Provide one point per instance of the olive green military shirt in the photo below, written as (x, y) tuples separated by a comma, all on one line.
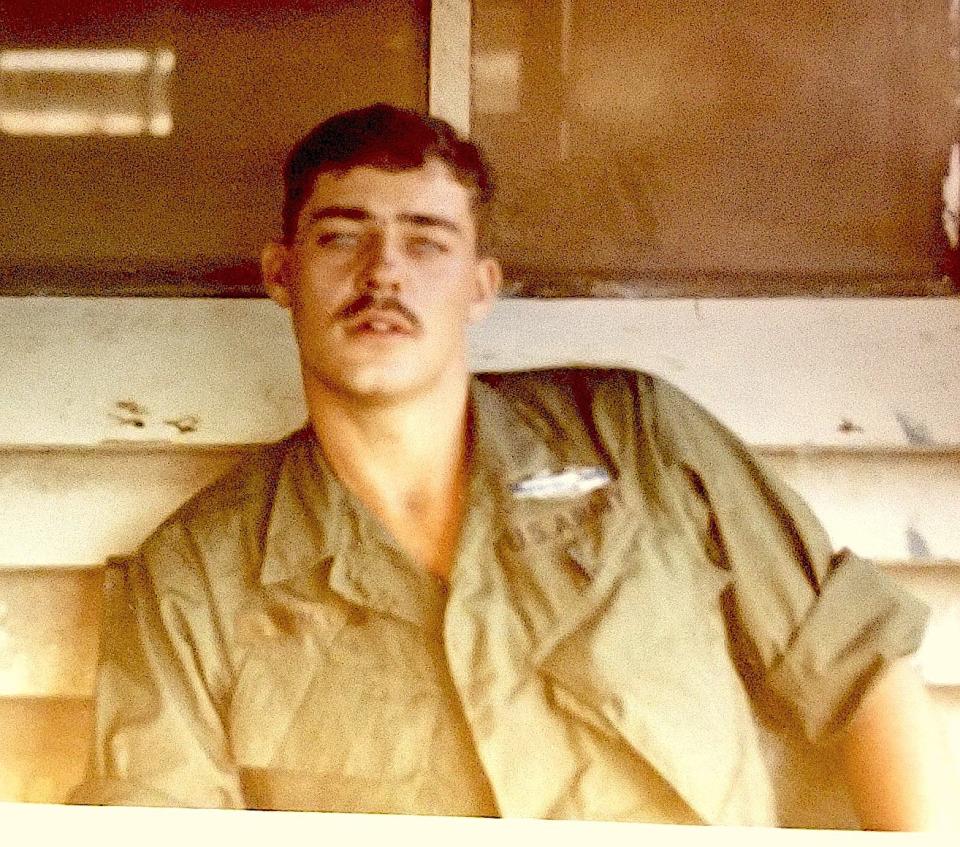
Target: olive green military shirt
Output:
[(596, 654)]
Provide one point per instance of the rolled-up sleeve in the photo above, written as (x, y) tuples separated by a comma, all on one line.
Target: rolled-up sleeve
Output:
[(159, 737), (819, 626)]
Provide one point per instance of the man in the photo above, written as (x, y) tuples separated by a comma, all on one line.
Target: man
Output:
[(556, 594)]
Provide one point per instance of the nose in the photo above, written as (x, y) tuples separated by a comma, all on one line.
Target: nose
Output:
[(382, 268)]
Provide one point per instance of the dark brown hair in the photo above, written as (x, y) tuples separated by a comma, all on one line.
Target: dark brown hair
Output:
[(379, 136)]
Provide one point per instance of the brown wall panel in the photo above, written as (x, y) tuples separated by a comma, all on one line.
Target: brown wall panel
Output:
[(250, 78), (779, 148)]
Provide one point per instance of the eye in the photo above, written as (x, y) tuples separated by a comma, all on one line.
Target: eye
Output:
[(338, 240), (424, 245)]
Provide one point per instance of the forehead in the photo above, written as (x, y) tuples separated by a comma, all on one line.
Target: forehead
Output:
[(429, 190)]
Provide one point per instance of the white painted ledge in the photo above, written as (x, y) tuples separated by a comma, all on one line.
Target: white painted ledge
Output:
[(162, 827), (78, 506), (875, 374)]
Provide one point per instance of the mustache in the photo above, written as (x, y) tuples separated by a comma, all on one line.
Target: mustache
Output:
[(383, 304)]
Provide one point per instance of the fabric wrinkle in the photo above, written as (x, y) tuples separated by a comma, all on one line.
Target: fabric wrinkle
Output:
[(585, 659)]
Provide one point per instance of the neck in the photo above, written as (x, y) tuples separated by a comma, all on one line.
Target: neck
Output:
[(405, 460)]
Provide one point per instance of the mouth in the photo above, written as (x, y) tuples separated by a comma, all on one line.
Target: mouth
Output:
[(379, 322)]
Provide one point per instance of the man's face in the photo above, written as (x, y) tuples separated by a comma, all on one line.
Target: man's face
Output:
[(382, 279)]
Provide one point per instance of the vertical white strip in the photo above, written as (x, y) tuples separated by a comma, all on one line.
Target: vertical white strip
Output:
[(159, 117), (449, 82), (951, 197)]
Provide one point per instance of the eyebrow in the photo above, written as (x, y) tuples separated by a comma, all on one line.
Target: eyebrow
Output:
[(355, 213)]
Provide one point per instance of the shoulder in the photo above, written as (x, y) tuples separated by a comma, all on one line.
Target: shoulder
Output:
[(559, 386), (555, 392), (246, 486), (222, 525), (658, 441), (619, 403)]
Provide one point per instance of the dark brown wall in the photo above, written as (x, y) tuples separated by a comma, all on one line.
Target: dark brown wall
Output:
[(250, 78), (741, 136)]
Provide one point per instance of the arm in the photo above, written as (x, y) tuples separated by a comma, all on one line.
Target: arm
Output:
[(158, 738), (895, 759), (821, 633)]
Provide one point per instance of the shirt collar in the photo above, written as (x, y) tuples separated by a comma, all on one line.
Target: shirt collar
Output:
[(319, 535), (302, 531), (314, 519)]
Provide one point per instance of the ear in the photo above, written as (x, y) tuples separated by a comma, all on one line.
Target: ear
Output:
[(489, 278), (274, 266)]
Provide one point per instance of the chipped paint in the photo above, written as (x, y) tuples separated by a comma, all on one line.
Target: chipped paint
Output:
[(779, 372), (917, 433), (847, 427), (917, 545), (185, 424), (129, 413)]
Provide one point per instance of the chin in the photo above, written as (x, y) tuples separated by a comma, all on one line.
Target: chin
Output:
[(376, 386), (401, 375)]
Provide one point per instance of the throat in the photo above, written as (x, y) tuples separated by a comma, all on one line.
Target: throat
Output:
[(408, 464), (427, 534)]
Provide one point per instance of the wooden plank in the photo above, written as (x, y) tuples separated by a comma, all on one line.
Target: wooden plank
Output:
[(78, 506), (859, 374), (889, 506), (790, 373), (44, 743), (51, 622), (939, 656), (49, 631), (95, 371), (946, 702)]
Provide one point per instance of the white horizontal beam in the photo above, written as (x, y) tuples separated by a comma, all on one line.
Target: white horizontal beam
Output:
[(871, 374), (160, 827), (76, 507)]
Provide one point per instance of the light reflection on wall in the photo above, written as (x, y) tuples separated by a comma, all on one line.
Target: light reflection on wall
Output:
[(496, 82), (70, 92)]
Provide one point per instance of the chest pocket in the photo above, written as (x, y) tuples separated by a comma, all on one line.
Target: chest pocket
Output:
[(645, 656), (334, 714)]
